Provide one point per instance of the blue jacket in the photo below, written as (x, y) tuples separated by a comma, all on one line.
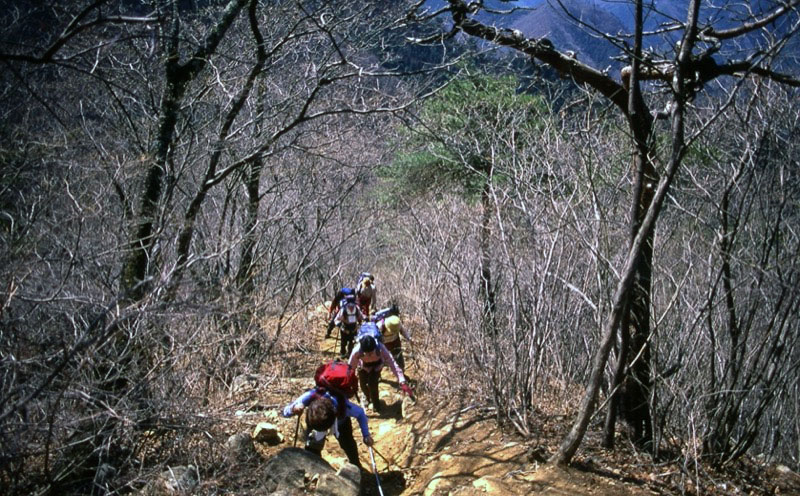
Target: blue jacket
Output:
[(350, 410)]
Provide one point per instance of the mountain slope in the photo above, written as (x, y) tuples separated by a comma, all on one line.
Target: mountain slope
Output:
[(586, 27)]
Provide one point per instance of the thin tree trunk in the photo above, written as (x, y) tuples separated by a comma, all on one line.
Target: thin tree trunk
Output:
[(619, 375), (245, 272), (572, 440), (487, 290), (137, 263)]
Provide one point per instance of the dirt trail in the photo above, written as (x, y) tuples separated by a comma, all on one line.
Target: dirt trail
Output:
[(438, 446), (450, 444)]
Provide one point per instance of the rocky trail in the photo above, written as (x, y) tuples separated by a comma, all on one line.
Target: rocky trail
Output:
[(440, 444), (431, 446)]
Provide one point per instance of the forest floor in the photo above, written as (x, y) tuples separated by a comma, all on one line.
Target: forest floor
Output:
[(444, 446)]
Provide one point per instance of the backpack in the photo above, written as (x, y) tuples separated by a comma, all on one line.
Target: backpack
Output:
[(362, 276), (343, 293), (337, 378), (386, 312), (350, 310), (369, 329)]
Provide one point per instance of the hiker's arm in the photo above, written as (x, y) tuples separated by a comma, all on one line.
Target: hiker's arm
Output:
[(294, 408), (405, 333), (355, 411), (388, 358), (355, 356), (297, 406), (339, 316)]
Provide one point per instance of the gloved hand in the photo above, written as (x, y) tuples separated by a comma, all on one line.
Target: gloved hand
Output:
[(368, 441), (407, 389)]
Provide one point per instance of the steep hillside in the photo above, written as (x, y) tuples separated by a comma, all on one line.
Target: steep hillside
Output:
[(448, 441)]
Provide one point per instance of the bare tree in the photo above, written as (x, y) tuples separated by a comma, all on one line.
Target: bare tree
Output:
[(690, 66), (154, 153)]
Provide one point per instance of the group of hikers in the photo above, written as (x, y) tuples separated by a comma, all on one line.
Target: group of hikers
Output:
[(370, 340)]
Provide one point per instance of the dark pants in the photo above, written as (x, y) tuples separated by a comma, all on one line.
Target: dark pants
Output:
[(369, 384), (396, 349), (348, 337), (346, 441), (364, 306), (331, 325)]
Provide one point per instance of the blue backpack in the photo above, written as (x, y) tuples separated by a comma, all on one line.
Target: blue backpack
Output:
[(385, 312), (369, 329), (342, 295)]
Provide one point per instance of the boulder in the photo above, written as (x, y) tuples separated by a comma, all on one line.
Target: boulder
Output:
[(266, 432), (492, 485), (173, 481), (239, 447), (245, 383), (295, 470), (406, 407), (182, 478)]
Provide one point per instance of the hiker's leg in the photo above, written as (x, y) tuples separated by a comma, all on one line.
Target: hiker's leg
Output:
[(351, 336), (347, 339), (347, 442), (396, 350), (331, 325), (315, 441), (372, 379), (398, 357), (364, 306), (364, 384)]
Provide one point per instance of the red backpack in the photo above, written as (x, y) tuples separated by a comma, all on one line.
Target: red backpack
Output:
[(337, 377)]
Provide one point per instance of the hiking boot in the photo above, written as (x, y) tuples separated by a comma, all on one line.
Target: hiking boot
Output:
[(314, 447)]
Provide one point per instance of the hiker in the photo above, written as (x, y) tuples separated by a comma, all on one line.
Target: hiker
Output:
[(368, 357), (348, 320), (391, 328), (385, 312), (365, 292), (336, 304), (325, 409)]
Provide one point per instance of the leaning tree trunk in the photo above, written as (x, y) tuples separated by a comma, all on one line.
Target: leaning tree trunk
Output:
[(609, 427), (631, 386)]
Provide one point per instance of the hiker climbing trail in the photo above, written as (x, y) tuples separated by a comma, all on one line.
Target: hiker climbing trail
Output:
[(378, 443), (445, 442)]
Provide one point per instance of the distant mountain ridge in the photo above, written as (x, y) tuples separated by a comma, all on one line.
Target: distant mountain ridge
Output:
[(581, 29)]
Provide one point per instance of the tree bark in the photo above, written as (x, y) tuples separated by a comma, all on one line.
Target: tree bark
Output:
[(137, 264), (487, 289), (245, 271)]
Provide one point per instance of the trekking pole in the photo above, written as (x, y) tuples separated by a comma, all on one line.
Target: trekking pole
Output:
[(388, 462), (336, 341), (375, 471), (296, 428)]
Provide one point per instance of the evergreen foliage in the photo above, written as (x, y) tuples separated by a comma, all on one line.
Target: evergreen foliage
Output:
[(463, 136)]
